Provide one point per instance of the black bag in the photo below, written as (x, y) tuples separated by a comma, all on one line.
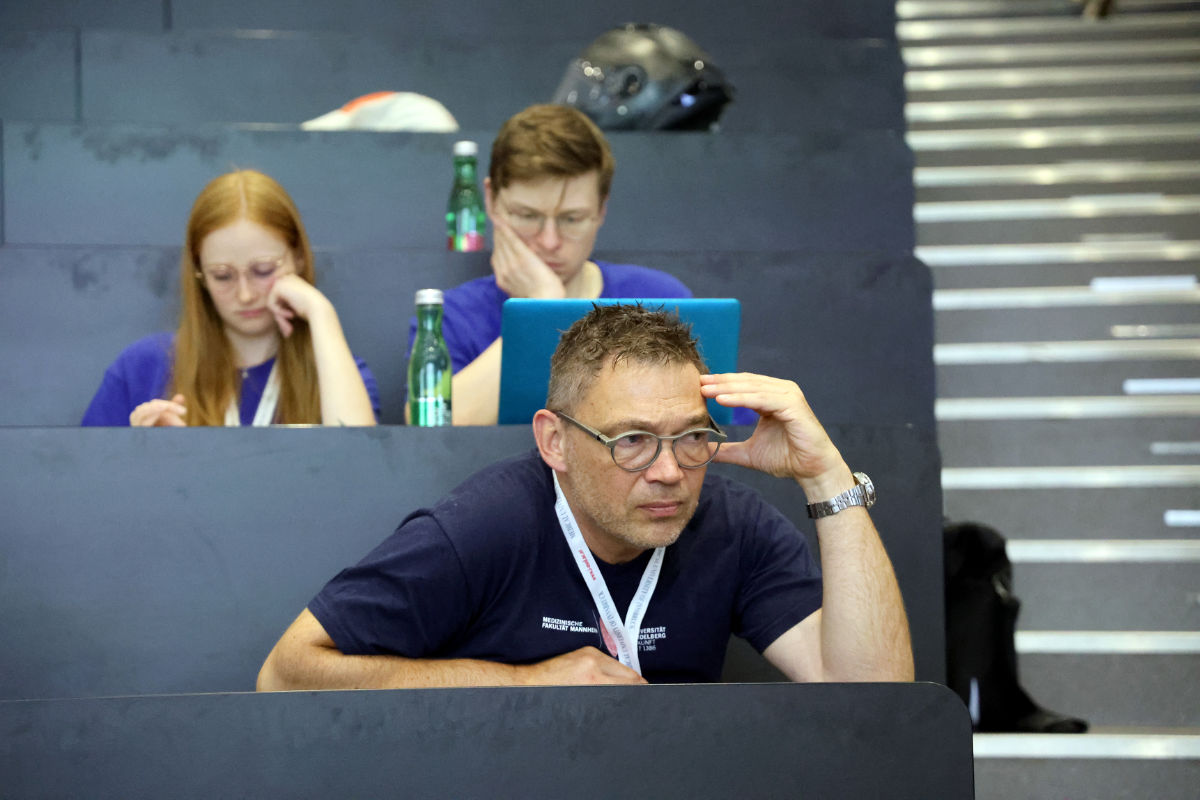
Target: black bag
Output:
[(981, 621)]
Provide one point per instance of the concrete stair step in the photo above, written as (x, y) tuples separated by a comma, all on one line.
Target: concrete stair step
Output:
[(1112, 511), (1064, 442), (1083, 178), (1053, 380), (981, 266), (1155, 594), (1008, 146), (1061, 323), (1114, 688), (1028, 231), (1106, 763)]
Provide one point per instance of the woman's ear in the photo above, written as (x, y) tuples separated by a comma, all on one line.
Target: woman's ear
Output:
[(548, 433)]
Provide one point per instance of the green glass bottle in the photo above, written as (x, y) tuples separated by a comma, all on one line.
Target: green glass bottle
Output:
[(466, 220), (429, 370)]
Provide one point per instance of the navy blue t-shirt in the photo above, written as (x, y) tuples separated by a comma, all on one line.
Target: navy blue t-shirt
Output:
[(487, 574)]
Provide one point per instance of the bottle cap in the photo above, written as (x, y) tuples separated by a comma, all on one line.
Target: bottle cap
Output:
[(465, 148), (429, 297)]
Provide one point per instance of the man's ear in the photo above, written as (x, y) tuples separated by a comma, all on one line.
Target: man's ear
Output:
[(548, 433), (603, 212), (487, 196)]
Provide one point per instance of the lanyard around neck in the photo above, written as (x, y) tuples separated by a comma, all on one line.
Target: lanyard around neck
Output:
[(623, 633), (264, 415)]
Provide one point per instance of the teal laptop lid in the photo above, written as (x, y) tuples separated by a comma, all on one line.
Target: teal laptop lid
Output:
[(531, 329)]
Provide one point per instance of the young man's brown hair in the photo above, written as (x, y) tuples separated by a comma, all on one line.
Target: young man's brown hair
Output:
[(550, 141)]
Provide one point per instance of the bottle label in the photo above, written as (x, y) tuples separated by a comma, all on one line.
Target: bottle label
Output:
[(430, 411), (466, 242)]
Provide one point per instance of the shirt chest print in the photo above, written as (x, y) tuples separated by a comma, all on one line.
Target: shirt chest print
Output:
[(648, 638)]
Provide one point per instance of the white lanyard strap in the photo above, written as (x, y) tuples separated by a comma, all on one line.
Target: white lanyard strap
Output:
[(624, 634), (264, 415)]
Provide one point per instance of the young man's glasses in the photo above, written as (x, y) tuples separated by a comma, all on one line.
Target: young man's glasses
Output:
[(572, 225), (634, 451)]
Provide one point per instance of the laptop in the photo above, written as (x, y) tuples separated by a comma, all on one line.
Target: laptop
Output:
[(531, 329)]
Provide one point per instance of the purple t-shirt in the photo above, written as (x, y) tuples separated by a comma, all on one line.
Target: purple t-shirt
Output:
[(143, 369), (487, 574), (472, 311)]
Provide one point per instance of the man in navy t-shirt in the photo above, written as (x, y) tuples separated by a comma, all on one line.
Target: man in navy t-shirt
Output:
[(609, 555)]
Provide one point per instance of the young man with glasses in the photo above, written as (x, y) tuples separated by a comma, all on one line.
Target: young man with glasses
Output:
[(546, 194), (609, 555)]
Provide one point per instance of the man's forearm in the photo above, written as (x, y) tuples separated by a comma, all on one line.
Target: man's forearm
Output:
[(318, 667), (864, 631)]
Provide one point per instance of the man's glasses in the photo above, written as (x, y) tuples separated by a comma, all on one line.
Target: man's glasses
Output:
[(572, 225), (634, 451), (224, 279)]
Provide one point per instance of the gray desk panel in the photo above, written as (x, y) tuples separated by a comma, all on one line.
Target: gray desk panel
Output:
[(133, 15), (37, 75), (706, 21), (813, 741), (142, 561), (855, 330), (133, 185)]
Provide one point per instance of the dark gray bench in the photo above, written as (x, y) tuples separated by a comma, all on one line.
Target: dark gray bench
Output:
[(134, 184), (142, 561), (196, 77), (757, 22), (900, 741), (855, 330)]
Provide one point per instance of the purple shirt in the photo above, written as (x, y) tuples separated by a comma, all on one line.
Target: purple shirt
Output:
[(143, 369), (472, 311)]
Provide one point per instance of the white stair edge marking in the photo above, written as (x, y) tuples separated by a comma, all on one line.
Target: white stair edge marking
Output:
[(1181, 518), (1062, 352), (1143, 386), (986, 255), (938, 80), (1127, 205), (1158, 283), (931, 30), (1060, 297), (1109, 642), (955, 409), (1102, 551), (1116, 477), (1087, 745), (1094, 171)]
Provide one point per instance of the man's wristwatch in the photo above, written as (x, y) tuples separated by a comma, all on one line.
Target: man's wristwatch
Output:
[(861, 495)]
